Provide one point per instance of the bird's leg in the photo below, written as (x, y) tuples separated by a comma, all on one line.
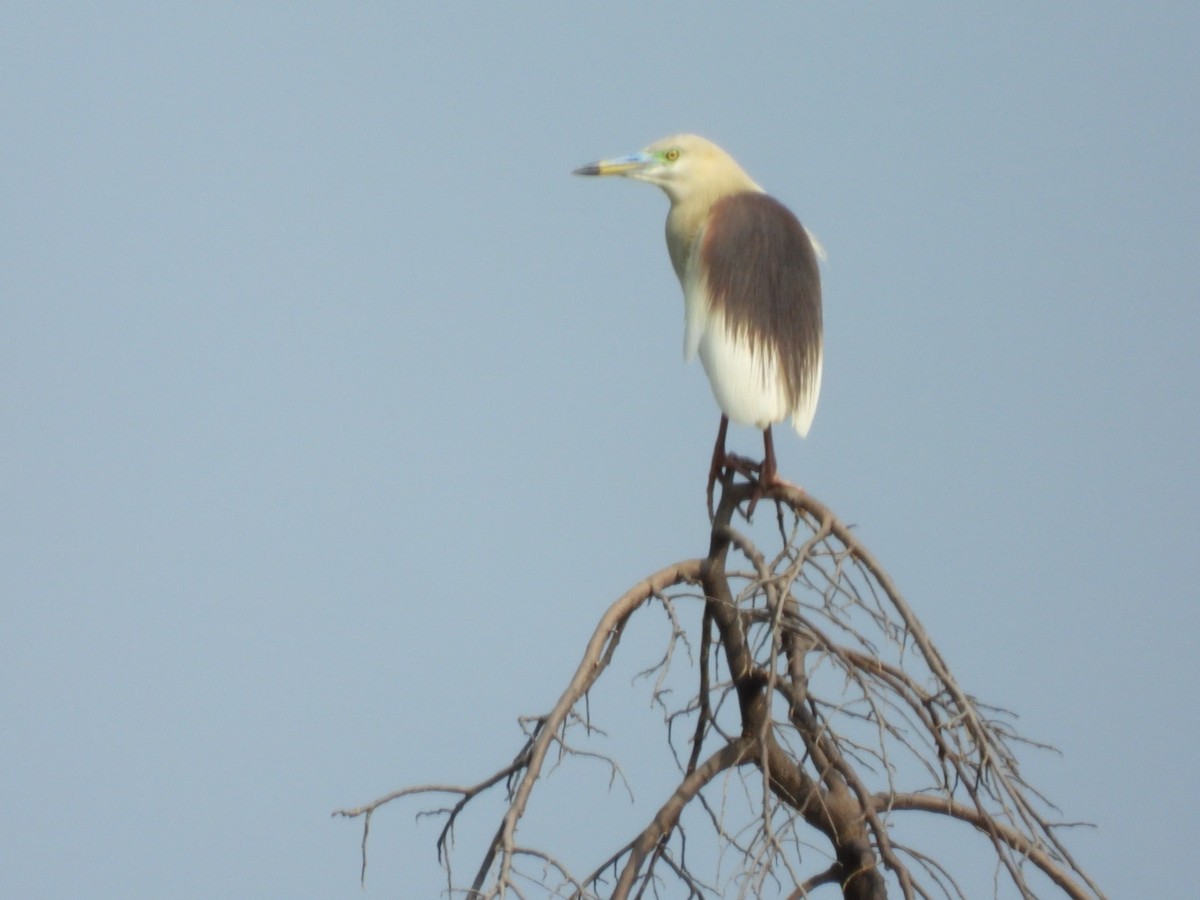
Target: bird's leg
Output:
[(723, 461), (768, 475)]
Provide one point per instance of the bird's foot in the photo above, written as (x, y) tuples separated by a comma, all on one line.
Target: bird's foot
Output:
[(714, 473), (743, 465), (720, 469), (749, 469), (760, 491), (763, 486)]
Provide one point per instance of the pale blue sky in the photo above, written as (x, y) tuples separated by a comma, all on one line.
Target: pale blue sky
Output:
[(335, 411)]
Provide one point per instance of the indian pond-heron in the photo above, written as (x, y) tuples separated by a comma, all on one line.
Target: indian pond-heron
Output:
[(751, 289)]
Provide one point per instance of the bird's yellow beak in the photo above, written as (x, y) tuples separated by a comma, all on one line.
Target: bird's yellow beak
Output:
[(622, 165)]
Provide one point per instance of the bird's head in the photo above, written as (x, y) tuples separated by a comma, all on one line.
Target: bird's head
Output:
[(683, 166)]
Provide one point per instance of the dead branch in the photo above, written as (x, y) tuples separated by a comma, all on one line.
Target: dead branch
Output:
[(813, 676)]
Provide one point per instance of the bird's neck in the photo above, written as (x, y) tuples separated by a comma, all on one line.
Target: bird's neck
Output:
[(688, 215), (684, 222)]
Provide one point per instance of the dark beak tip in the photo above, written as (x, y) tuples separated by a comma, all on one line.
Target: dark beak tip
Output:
[(586, 170)]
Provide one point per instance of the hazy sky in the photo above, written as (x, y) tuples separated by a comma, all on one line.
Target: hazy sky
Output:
[(335, 411)]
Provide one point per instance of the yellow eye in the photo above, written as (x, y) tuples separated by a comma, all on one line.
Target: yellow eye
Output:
[(671, 155)]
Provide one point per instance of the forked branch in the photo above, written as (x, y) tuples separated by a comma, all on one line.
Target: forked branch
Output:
[(815, 681)]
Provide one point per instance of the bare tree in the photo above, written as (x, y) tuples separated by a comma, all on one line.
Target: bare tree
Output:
[(820, 694)]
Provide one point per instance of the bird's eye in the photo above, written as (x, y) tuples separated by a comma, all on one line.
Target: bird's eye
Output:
[(672, 154)]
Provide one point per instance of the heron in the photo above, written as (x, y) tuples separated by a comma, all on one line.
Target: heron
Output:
[(751, 291)]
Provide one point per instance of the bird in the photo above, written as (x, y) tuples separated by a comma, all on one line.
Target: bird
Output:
[(751, 291)]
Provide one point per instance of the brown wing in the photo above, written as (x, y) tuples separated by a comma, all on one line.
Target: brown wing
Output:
[(760, 270)]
